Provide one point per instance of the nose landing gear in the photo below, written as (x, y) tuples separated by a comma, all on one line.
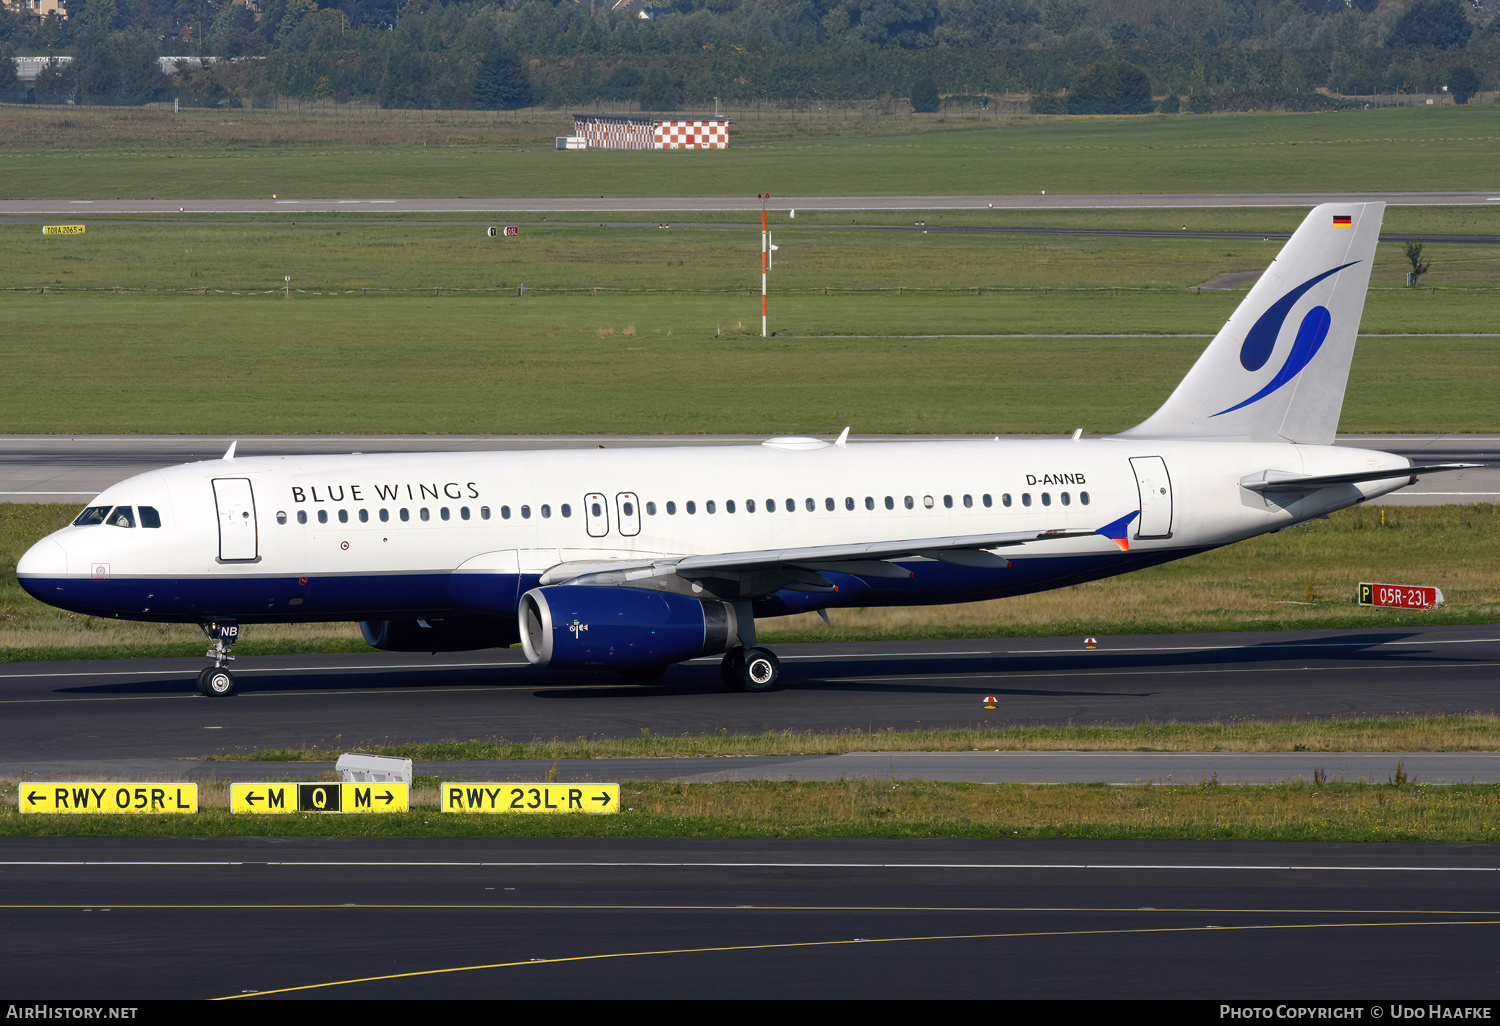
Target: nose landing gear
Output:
[(217, 681)]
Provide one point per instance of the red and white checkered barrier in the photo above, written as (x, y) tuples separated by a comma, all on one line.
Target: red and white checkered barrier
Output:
[(692, 135)]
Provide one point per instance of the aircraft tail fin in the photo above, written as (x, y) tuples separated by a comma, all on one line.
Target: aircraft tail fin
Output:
[(1277, 370)]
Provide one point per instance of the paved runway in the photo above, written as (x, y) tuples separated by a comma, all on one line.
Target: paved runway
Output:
[(607, 203), (145, 716), (127, 919), (60, 468)]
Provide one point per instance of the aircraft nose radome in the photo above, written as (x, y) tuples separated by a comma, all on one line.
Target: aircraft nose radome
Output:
[(44, 559)]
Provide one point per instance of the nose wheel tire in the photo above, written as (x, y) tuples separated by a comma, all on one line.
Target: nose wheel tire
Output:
[(216, 682)]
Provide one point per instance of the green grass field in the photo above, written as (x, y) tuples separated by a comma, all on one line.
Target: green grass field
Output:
[(1301, 811), (99, 153), (643, 330), (673, 364)]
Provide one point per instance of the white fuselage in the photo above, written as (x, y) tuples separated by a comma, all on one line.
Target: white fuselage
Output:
[(359, 536)]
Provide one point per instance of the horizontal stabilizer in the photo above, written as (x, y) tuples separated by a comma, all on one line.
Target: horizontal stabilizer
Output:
[(1283, 481)]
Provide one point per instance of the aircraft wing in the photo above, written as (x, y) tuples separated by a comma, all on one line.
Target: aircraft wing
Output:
[(1285, 481), (765, 571)]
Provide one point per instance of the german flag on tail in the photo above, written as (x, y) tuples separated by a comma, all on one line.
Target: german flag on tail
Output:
[(1343, 221)]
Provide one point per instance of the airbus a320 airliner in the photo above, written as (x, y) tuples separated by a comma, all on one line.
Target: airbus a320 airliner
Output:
[(635, 559)]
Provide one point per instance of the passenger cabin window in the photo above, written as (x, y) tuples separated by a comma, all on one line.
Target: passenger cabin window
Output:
[(1083, 497), (92, 516), (322, 516), (281, 517), (302, 516)]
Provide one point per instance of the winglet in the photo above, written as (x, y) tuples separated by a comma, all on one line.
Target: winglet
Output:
[(228, 456), (843, 438), (1119, 531)]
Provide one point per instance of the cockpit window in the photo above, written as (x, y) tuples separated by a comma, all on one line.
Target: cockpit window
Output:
[(121, 516), (91, 516), (149, 517)]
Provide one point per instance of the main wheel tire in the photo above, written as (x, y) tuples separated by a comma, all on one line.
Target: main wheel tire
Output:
[(762, 670), (216, 682), (732, 669)]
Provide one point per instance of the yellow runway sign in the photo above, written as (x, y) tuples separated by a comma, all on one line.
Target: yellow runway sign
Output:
[(275, 799), (62, 229), (533, 798), (107, 797)]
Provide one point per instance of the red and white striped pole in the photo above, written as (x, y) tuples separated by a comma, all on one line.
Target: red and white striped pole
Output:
[(765, 236)]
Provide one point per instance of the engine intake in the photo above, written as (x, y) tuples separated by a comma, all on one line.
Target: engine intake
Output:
[(578, 625)]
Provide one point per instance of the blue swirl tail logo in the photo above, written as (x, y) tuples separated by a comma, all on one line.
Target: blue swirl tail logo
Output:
[(1260, 340)]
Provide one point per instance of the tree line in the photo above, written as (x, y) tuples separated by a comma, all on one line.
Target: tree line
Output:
[(1106, 55)]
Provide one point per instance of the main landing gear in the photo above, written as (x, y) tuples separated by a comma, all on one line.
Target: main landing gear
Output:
[(746, 667), (217, 681), (750, 669)]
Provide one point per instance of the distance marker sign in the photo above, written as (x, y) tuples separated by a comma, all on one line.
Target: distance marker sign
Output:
[(112, 797), (531, 798), (62, 229), (276, 799)]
